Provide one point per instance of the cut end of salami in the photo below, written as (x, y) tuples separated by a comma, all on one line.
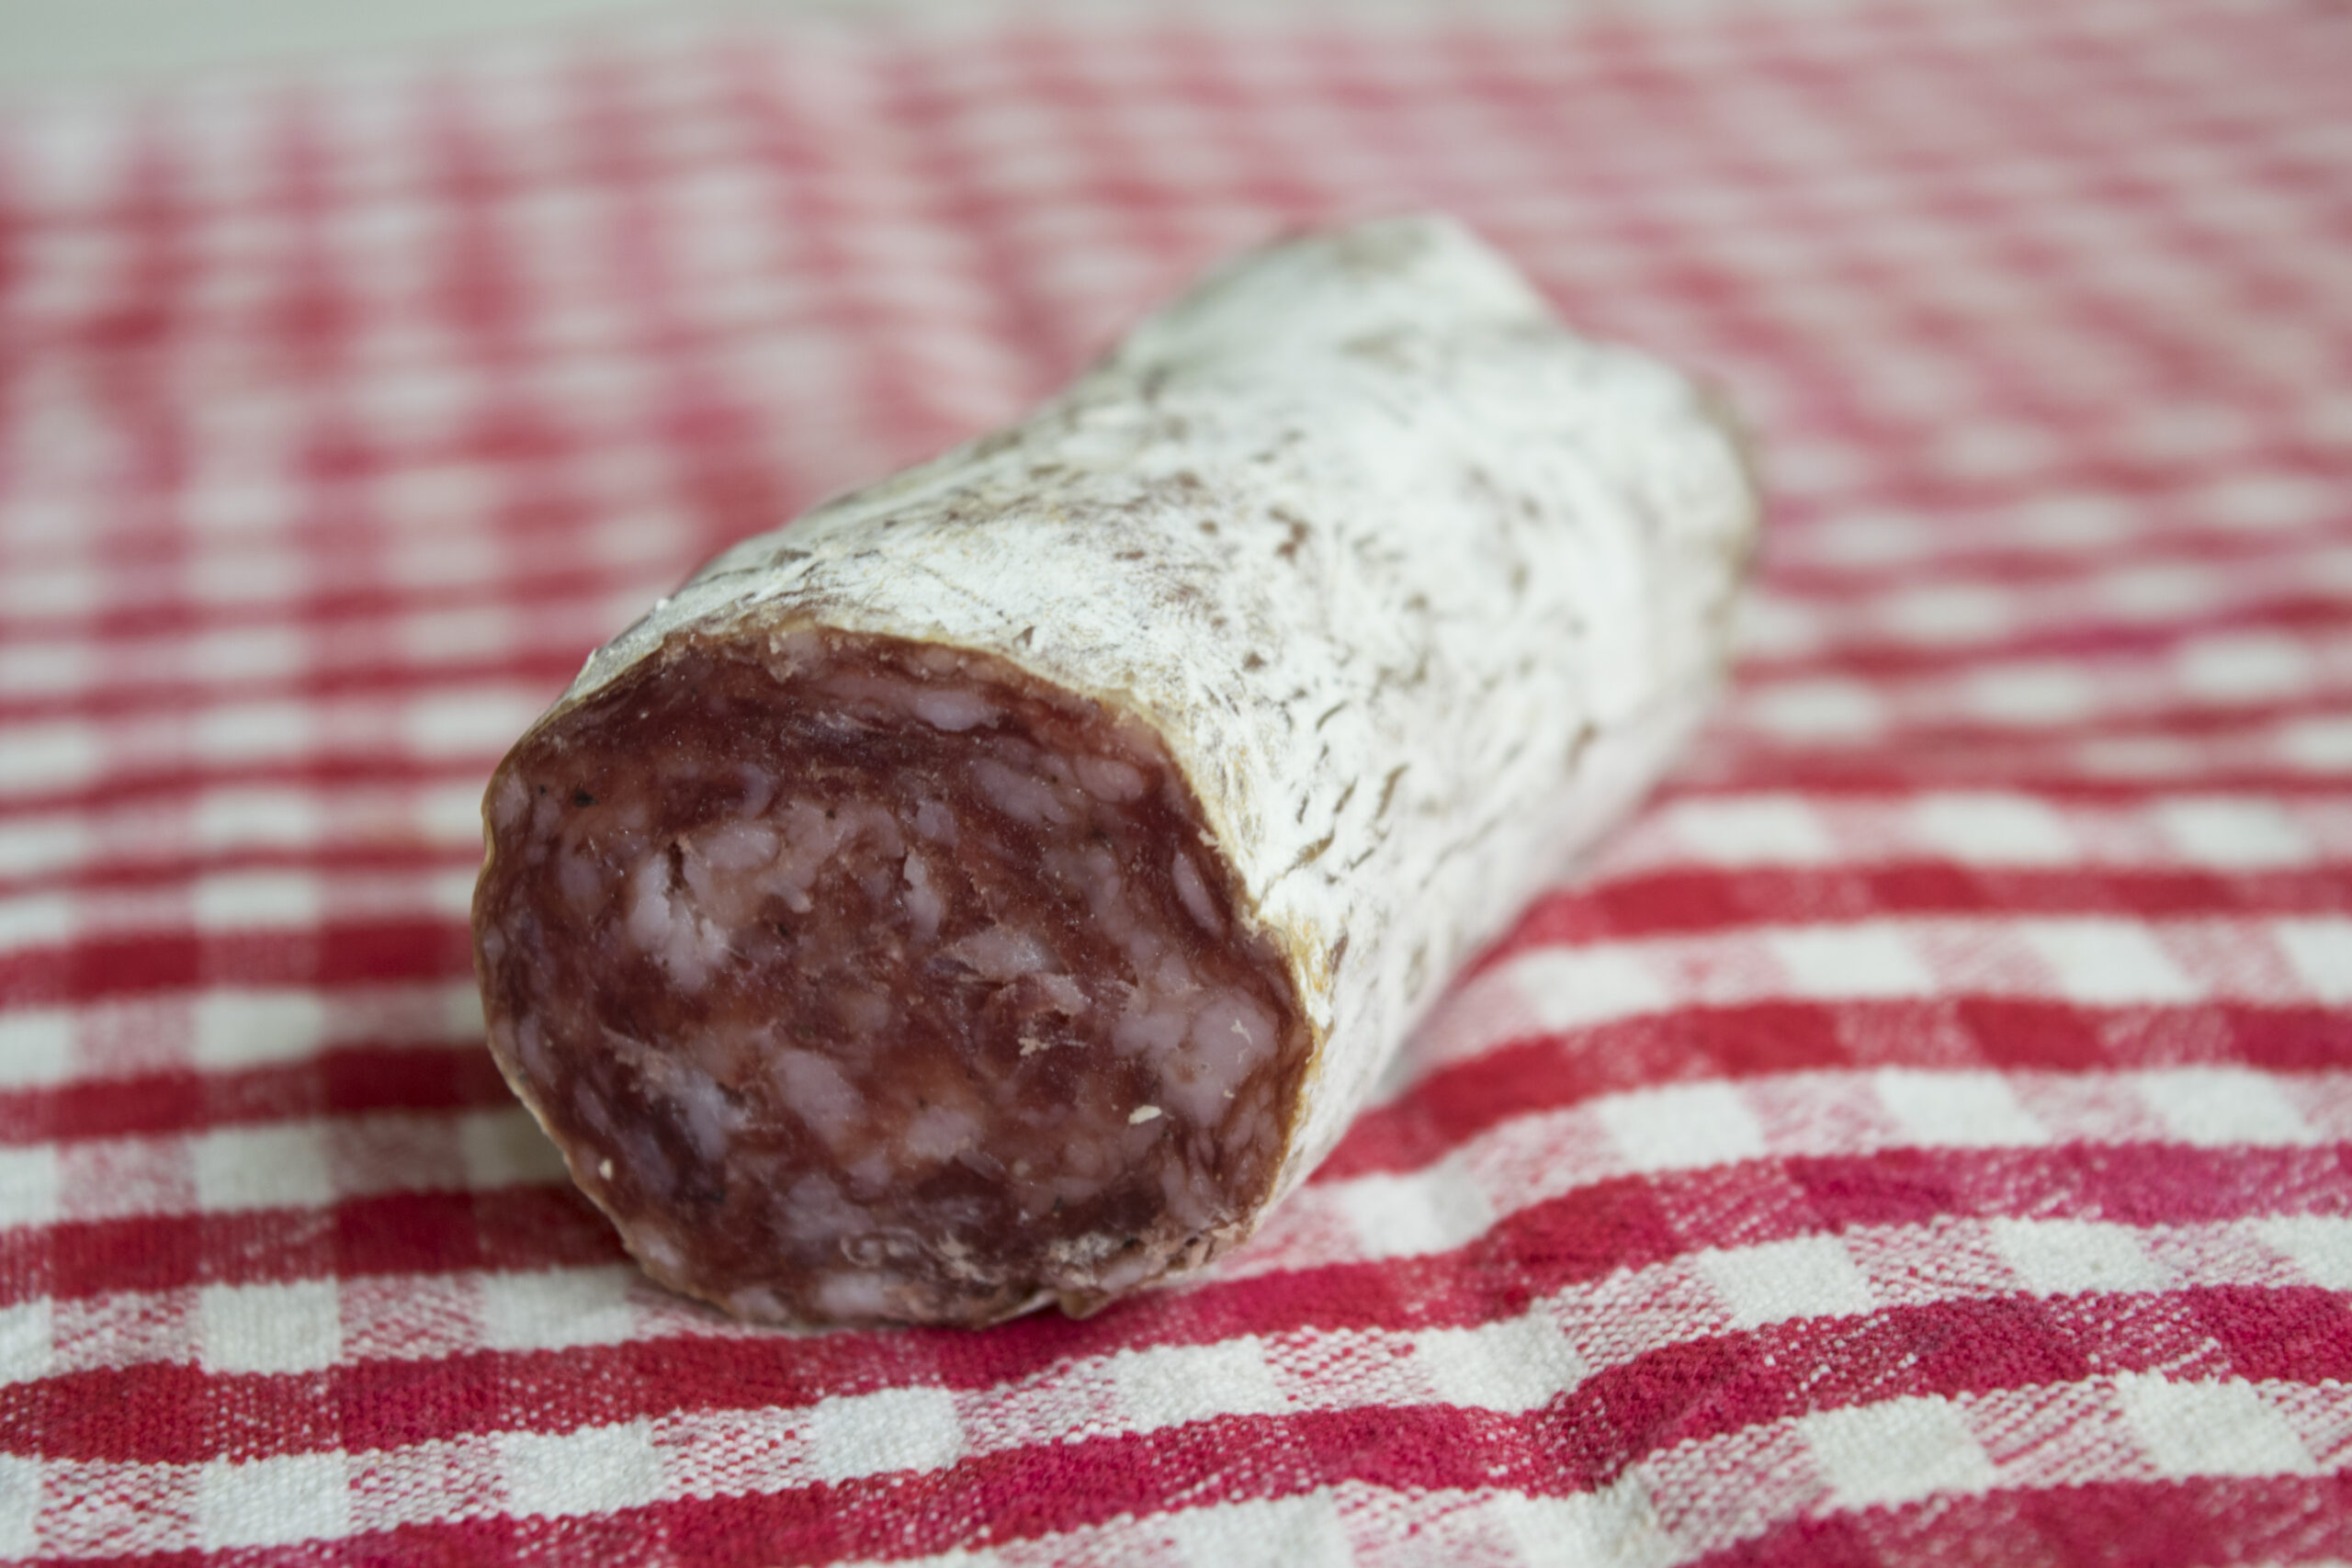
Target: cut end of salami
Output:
[(1000, 887), (865, 980)]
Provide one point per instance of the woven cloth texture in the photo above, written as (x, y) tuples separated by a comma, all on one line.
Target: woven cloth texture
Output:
[(1921, 1135)]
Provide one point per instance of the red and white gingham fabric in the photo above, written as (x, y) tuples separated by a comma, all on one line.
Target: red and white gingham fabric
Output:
[(1925, 1135)]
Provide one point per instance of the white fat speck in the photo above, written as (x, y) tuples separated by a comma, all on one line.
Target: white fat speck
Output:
[(1186, 1191), (757, 1305), (1174, 977), (1107, 778), (605, 1167), (796, 649), (531, 1046), (935, 822), (1065, 994), (705, 885), (1227, 1039), (923, 905), (810, 837), (696, 947), (938, 1134), (514, 798), (1143, 1114), (870, 820), (1144, 948), (704, 1110), (1189, 1192), (1095, 871), (871, 1173), (759, 788), (874, 1248), (650, 915), (867, 694), (1233, 1021), (737, 845), (659, 1249), (999, 953), (1018, 796), (1154, 1031), (1123, 1273), (687, 946), (1196, 895), (855, 1295), (815, 1211), (818, 1093), (952, 710), (1079, 1254)]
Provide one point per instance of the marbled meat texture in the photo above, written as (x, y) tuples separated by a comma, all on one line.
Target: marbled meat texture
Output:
[(1002, 885)]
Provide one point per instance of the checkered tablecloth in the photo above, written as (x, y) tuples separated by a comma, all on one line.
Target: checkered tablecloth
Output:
[(1924, 1136)]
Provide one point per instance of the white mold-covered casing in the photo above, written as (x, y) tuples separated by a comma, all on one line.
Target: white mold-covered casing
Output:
[(1420, 589)]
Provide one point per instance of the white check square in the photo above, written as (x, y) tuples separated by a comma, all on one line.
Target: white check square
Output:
[(1897, 1451), (273, 1502), (292, 1327), (2210, 1428), (1812, 1276), (1682, 1126), (890, 1429), (591, 1470)]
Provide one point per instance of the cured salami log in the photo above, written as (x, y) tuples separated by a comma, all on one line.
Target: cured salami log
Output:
[(1003, 883)]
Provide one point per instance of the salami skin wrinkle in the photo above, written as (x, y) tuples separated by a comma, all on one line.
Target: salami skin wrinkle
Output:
[(1002, 885)]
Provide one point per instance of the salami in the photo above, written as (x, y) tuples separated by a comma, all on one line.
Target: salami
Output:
[(1000, 886)]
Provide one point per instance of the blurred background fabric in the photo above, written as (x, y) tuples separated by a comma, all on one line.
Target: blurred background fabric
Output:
[(1921, 1136)]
